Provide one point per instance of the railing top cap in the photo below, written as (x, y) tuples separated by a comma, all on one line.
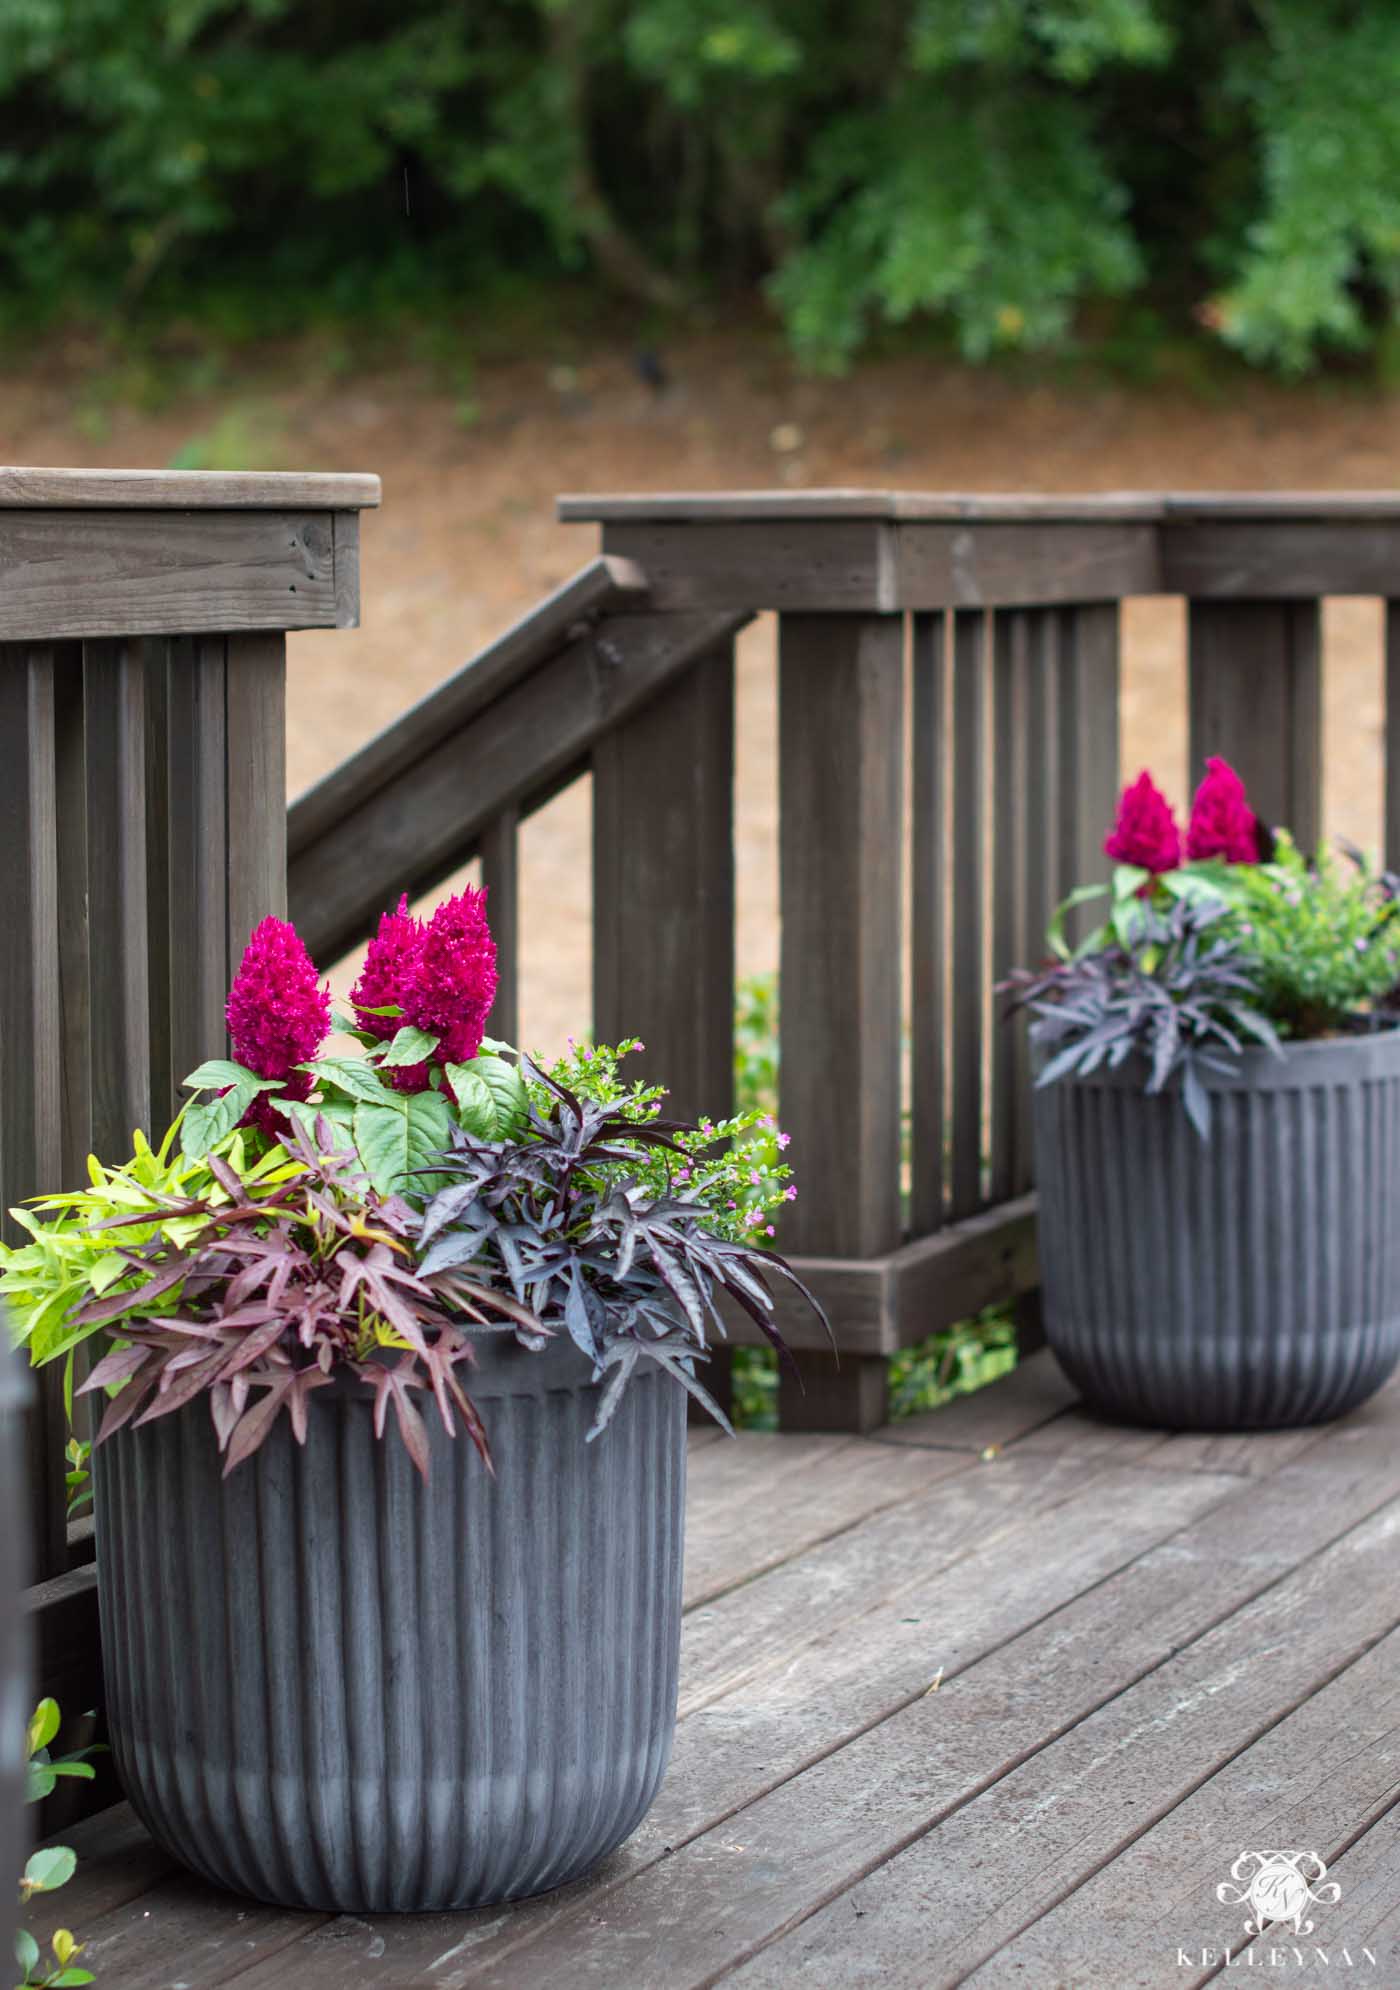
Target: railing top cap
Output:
[(713, 507), (185, 490)]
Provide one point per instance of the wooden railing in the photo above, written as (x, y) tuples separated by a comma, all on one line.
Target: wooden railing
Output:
[(948, 674), (142, 675)]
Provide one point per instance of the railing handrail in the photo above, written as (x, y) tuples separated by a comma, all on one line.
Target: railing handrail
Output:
[(23, 488), (976, 506)]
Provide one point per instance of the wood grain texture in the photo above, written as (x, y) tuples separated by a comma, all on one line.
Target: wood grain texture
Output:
[(899, 1298), (31, 1006), (928, 917), (1256, 699), (500, 874), (192, 840), (840, 776), (996, 565), (796, 505), (135, 573), (255, 744), (663, 887), (1392, 735), (186, 490), (971, 669), (834, 1392), (1279, 558), (1105, 1636), (114, 698), (410, 832), (71, 817), (844, 565), (533, 640), (345, 557)]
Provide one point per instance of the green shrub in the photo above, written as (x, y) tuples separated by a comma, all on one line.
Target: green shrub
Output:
[(1323, 937), (991, 167)]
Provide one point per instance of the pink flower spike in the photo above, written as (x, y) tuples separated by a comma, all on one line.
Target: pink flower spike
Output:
[(277, 1015), (1145, 832), (450, 983), (383, 979), (1222, 823)]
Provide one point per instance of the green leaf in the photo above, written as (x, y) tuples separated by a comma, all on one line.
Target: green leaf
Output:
[(476, 1102), (67, 1977), (216, 1074), (1055, 931), (43, 1725), (505, 1088), (40, 1781), (26, 1950), (206, 1125), (352, 1075), (1128, 880), (403, 1133), (104, 1272), (410, 1046), (53, 1866), (340, 1113)]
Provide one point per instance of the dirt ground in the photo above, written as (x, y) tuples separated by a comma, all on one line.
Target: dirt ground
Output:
[(467, 540)]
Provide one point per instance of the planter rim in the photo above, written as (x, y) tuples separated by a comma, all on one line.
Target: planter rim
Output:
[(1340, 1060)]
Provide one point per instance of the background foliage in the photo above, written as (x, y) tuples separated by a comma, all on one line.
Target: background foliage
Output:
[(1015, 171)]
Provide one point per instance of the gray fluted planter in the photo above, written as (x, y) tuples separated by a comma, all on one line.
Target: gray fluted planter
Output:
[(330, 1686), (1246, 1282)]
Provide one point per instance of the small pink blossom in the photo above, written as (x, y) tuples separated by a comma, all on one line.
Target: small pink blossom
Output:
[(785, 1140), (790, 1192), (770, 1230)]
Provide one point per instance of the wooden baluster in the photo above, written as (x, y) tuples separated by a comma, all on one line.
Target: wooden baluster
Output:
[(257, 784), (929, 865), (970, 637), (190, 946), (119, 1023), (500, 873), (663, 898), (31, 1003), (1256, 699), (1087, 690), (841, 714), (1392, 735), (1012, 829)]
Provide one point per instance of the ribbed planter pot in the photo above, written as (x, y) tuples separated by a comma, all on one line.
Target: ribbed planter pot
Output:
[(331, 1686), (1245, 1282)]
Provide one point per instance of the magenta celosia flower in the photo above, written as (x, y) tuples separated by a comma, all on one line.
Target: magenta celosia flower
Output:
[(381, 985), (1145, 832), (449, 984), (1222, 822), (277, 1015)]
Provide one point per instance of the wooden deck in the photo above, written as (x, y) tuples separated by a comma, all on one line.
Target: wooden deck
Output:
[(996, 1696)]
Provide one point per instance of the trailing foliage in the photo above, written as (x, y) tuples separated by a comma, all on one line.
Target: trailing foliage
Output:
[(82, 1241), (992, 166), (560, 1219), (1171, 987), (51, 1866), (274, 1295)]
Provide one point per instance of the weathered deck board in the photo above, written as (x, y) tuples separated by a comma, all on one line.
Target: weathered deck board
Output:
[(1150, 1652)]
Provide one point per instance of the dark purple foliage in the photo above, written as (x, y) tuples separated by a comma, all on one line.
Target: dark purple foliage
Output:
[(279, 1293), (555, 1219), (1180, 995)]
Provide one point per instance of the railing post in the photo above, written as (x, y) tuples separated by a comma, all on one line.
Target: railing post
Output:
[(142, 812), (841, 765)]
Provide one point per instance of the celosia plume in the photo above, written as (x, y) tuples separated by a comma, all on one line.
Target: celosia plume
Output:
[(277, 1015), (441, 976), (451, 983), (1145, 832), (1222, 822)]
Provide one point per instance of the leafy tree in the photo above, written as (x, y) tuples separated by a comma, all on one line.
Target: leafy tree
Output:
[(993, 166)]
